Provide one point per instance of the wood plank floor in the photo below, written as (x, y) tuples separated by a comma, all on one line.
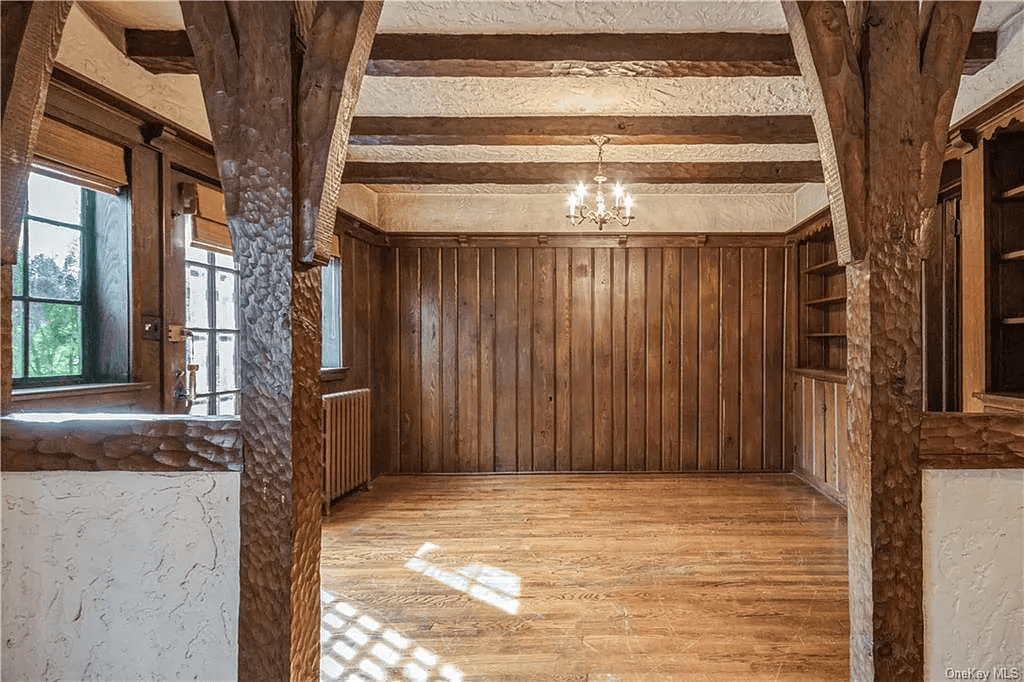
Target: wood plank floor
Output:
[(585, 577)]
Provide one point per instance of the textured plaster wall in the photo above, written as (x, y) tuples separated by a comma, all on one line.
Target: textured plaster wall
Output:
[(120, 576), (546, 214), (808, 200), (1005, 72), (973, 571), (85, 50)]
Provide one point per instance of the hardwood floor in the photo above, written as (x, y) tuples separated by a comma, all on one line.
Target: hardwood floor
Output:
[(585, 577)]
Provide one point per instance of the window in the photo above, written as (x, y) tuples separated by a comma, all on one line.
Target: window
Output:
[(330, 316), (211, 312), (70, 286)]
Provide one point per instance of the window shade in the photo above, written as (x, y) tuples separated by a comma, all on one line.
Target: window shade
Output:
[(209, 219), (68, 152)]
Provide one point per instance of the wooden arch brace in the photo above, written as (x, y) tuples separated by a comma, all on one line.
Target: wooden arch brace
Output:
[(883, 87), (276, 137)]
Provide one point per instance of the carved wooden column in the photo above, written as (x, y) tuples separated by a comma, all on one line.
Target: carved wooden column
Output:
[(31, 36), (882, 90), (274, 108)]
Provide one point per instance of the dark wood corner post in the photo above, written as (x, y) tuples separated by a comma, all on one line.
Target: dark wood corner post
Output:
[(31, 37), (280, 80), (882, 78)]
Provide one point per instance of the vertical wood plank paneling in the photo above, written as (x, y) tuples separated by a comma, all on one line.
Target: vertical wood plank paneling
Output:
[(557, 359), (603, 383), (774, 348), (582, 360), (689, 365), (790, 434), (636, 360), (653, 333), (524, 366), (819, 405), (449, 361), (364, 286), (544, 360), (563, 366), (487, 393), (710, 325), (808, 418), (619, 375), (831, 461), (729, 381), (752, 360), (670, 291), (469, 358), (506, 336), (430, 358), (409, 358), (386, 384)]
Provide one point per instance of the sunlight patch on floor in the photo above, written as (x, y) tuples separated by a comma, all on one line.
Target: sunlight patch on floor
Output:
[(355, 647), (488, 584)]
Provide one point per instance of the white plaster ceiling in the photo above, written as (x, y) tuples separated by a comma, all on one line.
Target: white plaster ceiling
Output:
[(572, 96)]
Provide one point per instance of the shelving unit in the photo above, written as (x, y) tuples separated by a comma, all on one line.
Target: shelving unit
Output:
[(822, 292), (1005, 235)]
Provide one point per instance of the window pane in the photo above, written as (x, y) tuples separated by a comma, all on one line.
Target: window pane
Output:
[(227, 362), (201, 407), (201, 356), (227, 404), (55, 340), (54, 199), (226, 302), (226, 345), (54, 262), (330, 316), (18, 337), (197, 309)]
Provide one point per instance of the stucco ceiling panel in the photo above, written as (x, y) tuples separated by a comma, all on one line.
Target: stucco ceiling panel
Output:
[(584, 154), (750, 96), (558, 192)]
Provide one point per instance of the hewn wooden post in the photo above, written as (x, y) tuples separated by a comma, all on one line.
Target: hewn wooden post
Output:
[(883, 89), (31, 36), (260, 94)]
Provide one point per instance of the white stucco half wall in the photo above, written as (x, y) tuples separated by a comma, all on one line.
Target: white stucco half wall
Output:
[(973, 573), (120, 576)]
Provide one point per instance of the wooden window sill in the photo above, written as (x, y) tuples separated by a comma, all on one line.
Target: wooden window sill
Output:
[(334, 374), (26, 396)]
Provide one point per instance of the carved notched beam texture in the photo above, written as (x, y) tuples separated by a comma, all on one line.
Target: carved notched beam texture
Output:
[(31, 36), (186, 444), (332, 73), (824, 46), (955, 433)]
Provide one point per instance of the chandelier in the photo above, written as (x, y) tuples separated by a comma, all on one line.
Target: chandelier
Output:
[(622, 210)]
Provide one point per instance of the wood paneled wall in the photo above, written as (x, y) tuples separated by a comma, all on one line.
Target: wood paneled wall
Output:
[(820, 433), (494, 359)]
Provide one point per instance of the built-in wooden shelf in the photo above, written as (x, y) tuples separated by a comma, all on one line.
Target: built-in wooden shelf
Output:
[(823, 268), (1013, 320), (826, 300), (1013, 193), (1013, 255)]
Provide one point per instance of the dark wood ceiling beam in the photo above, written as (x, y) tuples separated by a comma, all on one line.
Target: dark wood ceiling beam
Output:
[(577, 130), (420, 173), (599, 54)]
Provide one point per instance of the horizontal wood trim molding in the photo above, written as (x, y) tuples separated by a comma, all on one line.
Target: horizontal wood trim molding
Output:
[(820, 374), (971, 440), (756, 172), (985, 122), (1001, 402), (810, 225), (824, 488), (578, 130), (611, 239), (69, 442)]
